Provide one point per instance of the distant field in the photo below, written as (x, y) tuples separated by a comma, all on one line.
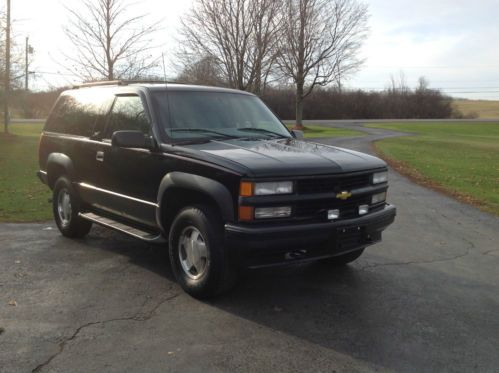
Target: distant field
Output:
[(22, 196), (484, 108), (459, 158), (315, 131)]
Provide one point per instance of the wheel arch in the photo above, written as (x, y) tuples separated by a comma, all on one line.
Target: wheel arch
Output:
[(178, 189), (58, 164)]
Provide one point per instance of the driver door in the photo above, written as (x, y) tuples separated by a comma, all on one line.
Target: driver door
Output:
[(128, 171)]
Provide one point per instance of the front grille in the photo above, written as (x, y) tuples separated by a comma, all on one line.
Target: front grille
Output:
[(318, 209), (331, 184), (319, 196)]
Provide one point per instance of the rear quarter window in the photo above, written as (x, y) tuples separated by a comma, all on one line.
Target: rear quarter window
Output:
[(77, 112), (54, 122)]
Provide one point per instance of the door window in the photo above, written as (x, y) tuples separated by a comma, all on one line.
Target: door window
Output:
[(128, 114)]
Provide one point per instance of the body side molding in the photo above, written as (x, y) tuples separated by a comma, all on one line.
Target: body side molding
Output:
[(89, 186)]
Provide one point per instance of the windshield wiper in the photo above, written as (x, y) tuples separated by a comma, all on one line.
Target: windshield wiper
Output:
[(224, 135), (254, 129)]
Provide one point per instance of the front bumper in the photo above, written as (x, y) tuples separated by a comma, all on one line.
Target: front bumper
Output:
[(258, 246)]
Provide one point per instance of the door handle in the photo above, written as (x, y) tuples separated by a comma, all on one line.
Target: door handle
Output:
[(100, 156)]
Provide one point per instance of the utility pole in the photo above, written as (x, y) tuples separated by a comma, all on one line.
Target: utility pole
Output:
[(26, 72), (6, 115)]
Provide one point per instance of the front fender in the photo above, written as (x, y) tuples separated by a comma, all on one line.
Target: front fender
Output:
[(212, 188)]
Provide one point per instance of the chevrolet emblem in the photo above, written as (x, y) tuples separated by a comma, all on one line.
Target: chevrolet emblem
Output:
[(344, 195)]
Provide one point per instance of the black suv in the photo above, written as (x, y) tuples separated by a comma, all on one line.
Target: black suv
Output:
[(210, 173)]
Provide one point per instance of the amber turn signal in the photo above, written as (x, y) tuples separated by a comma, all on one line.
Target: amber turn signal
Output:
[(246, 189), (246, 213)]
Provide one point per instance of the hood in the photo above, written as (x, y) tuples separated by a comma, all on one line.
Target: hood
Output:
[(284, 157)]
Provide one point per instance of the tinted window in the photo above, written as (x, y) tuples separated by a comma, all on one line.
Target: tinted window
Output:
[(77, 112), (54, 120), (128, 114), (210, 114)]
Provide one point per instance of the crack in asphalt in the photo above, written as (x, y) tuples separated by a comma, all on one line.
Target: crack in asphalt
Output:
[(490, 251), (467, 252), (140, 316)]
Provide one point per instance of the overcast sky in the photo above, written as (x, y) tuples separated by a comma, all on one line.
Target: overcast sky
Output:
[(453, 43)]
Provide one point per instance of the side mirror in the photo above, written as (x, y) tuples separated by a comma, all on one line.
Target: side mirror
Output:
[(297, 134), (131, 139)]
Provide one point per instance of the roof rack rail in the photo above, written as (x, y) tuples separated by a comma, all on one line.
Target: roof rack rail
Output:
[(97, 83), (118, 82)]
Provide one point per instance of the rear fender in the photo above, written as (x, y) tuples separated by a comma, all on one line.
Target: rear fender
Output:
[(57, 165)]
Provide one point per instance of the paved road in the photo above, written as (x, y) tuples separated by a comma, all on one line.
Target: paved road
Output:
[(426, 299)]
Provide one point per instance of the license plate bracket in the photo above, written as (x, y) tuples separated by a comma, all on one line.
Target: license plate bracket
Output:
[(349, 238)]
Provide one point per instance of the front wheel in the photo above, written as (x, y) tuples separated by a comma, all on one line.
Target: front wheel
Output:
[(198, 255), (66, 206)]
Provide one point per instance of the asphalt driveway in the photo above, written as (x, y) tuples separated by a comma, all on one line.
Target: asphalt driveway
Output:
[(425, 299)]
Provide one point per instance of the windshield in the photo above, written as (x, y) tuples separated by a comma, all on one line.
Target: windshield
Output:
[(192, 115)]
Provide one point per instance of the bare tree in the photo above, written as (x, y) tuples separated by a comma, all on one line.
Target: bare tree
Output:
[(398, 84), (109, 43), (205, 71), (423, 84), (267, 24), (240, 35), (320, 44)]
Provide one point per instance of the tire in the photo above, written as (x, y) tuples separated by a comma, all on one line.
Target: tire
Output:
[(66, 216), (199, 259), (344, 259)]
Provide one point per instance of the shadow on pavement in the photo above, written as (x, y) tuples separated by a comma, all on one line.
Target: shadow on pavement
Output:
[(401, 317)]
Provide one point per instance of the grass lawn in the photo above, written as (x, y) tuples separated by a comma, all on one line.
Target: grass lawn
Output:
[(459, 158), (22, 196), (315, 131)]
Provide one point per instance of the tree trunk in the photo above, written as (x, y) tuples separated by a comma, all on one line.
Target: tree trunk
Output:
[(299, 106), (110, 71), (257, 90), (300, 74), (110, 62), (6, 114)]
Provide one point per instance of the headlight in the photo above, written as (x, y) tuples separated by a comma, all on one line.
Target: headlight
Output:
[(378, 197), (272, 212), (380, 177), (275, 187)]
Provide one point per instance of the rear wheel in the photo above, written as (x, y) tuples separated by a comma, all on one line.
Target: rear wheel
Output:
[(66, 206), (198, 255), (343, 259)]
